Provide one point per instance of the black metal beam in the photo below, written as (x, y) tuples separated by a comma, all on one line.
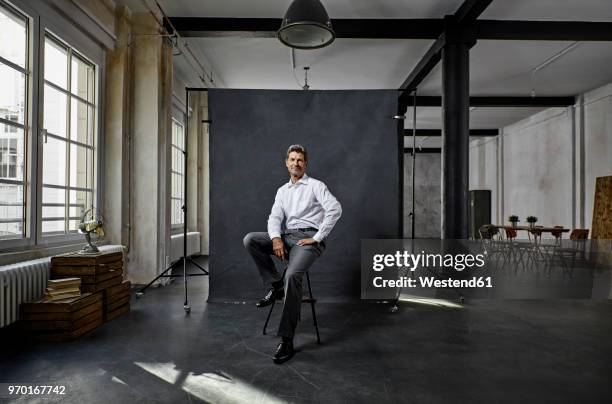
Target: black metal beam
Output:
[(455, 25), (438, 132), (544, 30), (344, 28), (470, 10), (423, 150), (422, 69), (498, 101), (430, 28)]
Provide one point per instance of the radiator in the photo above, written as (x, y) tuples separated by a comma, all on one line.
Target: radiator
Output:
[(27, 281), (193, 244), (21, 282)]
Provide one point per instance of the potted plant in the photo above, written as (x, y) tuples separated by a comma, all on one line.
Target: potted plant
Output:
[(513, 219), (532, 220)]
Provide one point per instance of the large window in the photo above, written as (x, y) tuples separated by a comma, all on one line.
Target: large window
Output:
[(14, 76), (48, 125), (69, 137), (177, 172)]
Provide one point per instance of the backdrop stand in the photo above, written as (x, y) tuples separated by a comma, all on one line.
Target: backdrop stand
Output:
[(184, 258), (395, 307)]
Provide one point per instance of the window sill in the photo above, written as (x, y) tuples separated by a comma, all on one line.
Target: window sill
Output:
[(18, 255)]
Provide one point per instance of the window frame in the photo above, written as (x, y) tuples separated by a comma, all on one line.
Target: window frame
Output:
[(44, 17), (177, 227), (28, 71), (67, 140)]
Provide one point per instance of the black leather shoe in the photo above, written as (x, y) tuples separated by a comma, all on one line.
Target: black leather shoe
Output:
[(284, 352), (272, 294)]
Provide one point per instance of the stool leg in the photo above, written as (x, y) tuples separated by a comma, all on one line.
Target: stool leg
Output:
[(273, 303), (268, 318), (314, 314)]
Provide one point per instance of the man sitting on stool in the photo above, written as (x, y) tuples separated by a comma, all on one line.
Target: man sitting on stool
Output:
[(310, 212)]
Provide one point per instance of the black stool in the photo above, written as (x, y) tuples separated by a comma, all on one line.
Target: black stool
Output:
[(308, 299)]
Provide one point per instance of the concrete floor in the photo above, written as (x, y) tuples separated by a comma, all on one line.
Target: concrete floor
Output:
[(503, 351)]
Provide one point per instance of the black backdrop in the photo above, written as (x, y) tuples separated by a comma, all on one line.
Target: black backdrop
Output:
[(352, 143)]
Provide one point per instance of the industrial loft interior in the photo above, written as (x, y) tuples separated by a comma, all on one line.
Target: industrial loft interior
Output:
[(305, 201)]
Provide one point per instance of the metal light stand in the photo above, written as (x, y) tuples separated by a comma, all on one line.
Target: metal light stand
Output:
[(395, 307), (182, 260)]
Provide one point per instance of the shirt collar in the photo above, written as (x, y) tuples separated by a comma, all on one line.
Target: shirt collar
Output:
[(303, 180)]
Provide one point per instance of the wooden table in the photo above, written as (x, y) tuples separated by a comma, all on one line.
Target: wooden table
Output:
[(529, 228)]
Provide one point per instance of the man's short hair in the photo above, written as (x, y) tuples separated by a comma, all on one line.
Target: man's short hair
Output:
[(298, 148)]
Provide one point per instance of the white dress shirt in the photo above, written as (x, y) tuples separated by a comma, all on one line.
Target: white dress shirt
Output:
[(307, 203)]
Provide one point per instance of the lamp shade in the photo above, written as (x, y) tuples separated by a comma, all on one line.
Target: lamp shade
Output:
[(306, 26)]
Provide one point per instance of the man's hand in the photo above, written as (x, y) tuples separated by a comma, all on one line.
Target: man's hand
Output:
[(279, 247), (307, 241)]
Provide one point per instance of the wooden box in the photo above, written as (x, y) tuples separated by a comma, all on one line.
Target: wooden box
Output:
[(62, 320), (97, 271), (116, 300)]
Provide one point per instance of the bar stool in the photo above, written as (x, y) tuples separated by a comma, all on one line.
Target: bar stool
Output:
[(309, 299)]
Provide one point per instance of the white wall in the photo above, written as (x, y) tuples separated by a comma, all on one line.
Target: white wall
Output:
[(548, 163), (598, 143)]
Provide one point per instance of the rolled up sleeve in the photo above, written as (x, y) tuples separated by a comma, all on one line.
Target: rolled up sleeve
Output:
[(275, 220), (332, 208)]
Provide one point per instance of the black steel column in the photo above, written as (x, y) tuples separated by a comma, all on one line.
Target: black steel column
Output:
[(455, 141)]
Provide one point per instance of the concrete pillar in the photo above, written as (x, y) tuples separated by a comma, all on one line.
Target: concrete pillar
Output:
[(117, 131), (455, 140), (150, 177)]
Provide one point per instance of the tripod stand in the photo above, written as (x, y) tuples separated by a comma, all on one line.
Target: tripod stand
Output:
[(184, 258), (401, 116)]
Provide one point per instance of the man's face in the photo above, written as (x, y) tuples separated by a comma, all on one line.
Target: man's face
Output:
[(296, 165)]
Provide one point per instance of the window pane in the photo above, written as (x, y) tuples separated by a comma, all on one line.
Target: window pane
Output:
[(55, 111), (53, 210), (11, 211), (54, 162), (13, 94), (53, 207), (56, 64), (81, 167), (81, 119), (177, 212), (12, 37), (73, 226), (52, 227), (12, 158), (82, 79), (80, 201)]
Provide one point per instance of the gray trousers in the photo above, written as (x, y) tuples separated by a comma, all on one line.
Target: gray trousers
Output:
[(259, 245)]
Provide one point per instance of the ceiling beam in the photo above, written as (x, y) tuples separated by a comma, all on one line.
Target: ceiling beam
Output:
[(423, 150), (427, 28), (438, 132), (470, 10), (422, 69), (344, 28), (458, 23), (544, 30), (495, 101)]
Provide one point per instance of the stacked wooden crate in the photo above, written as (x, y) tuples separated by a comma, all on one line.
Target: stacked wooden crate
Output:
[(62, 320), (116, 300), (101, 273), (97, 271)]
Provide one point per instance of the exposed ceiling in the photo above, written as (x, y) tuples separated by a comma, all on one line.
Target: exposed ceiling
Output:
[(502, 68)]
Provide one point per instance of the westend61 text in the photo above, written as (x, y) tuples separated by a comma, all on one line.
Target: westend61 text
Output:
[(432, 282)]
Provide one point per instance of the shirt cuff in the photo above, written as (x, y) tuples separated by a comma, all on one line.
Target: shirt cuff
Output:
[(274, 235), (317, 237)]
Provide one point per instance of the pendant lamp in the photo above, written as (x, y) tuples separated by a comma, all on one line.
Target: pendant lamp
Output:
[(306, 26)]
